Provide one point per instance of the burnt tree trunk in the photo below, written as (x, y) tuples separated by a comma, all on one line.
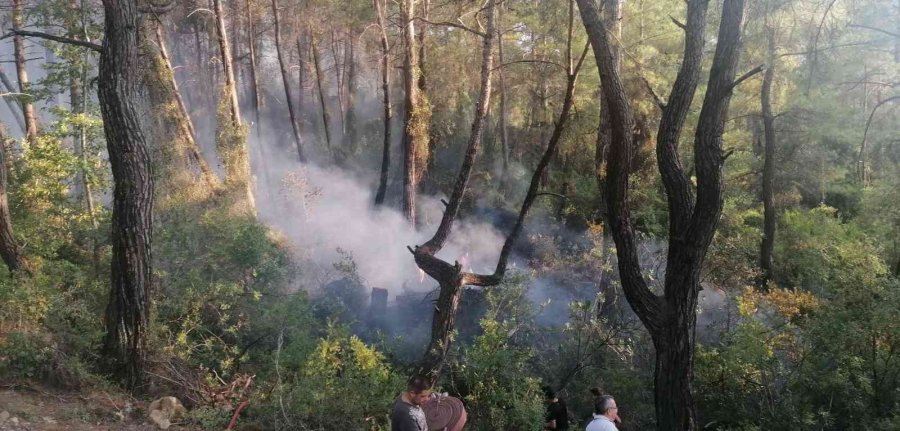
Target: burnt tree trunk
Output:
[(127, 314), (386, 94), (325, 117), (671, 318), (9, 247), (22, 73), (285, 79), (768, 178)]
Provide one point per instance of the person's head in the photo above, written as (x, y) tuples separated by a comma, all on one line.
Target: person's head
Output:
[(549, 394), (605, 405), (418, 390)]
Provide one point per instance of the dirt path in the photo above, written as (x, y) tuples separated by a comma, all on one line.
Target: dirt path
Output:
[(36, 409)]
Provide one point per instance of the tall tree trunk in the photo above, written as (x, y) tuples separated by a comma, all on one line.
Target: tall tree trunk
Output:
[(339, 82), (127, 314), (416, 124), (386, 94), (227, 65), (768, 179), (232, 135), (9, 247), (671, 318), (325, 117), (285, 79), (254, 80), (504, 133), (351, 135), (612, 15), (22, 73)]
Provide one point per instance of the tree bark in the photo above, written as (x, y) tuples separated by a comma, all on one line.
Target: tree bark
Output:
[(451, 278), (227, 65), (351, 133), (254, 80), (127, 314), (504, 132), (386, 94), (285, 79), (768, 179), (671, 319), (612, 11), (183, 118), (416, 124), (9, 247), (325, 117), (22, 73)]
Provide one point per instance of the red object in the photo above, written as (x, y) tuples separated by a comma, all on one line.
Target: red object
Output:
[(237, 413)]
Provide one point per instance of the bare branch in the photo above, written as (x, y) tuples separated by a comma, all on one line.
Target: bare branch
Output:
[(552, 63), (874, 29), (454, 25), (47, 36), (678, 23), (747, 76)]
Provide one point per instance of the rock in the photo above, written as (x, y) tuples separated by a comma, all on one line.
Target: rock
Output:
[(4, 416), (164, 410), (49, 420)]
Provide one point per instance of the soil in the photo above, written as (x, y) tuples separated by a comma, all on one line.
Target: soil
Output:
[(33, 408)]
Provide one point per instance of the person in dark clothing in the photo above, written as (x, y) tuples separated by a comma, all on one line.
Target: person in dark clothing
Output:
[(407, 413), (557, 417)]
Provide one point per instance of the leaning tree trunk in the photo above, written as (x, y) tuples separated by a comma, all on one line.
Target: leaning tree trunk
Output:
[(285, 79), (9, 247), (232, 135), (671, 318), (14, 109), (386, 93), (612, 10), (127, 314), (22, 73), (768, 180)]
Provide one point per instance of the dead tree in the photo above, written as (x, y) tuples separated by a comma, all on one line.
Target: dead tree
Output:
[(386, 94), (768, 178), (450, 277), (21, 72), (285, 79), (127, 314), (862, 171), (9, 247), (671, 318)]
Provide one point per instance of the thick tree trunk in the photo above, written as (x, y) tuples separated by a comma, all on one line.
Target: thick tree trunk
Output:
[(386, 94), (127, 314), (416, 124), (671, 319), (612, 16), (768, 179), (9, 247), (285, 79), (351, 134), (21, 72), (339, 82), (325, 117)]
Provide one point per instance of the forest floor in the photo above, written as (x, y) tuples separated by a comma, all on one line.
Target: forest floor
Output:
[(34, 408)]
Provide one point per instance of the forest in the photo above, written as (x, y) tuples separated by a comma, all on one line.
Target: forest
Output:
[(280, 212)]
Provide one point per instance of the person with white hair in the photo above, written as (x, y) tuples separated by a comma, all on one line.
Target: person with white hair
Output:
[(606, 414)]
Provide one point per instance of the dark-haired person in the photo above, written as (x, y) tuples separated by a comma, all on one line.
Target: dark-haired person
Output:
[(606, 414), (407, 413), (557, 417)]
